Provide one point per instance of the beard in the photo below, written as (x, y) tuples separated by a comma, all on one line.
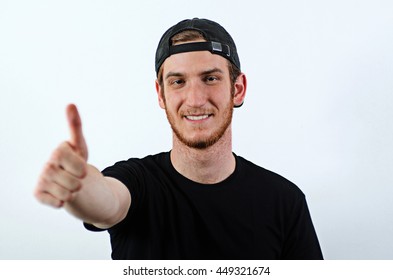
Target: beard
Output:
[(207, 141)]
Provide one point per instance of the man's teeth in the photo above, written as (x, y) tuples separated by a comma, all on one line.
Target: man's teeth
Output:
[(197, 118)]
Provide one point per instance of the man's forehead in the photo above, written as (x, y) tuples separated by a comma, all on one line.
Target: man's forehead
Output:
[(194, 62)]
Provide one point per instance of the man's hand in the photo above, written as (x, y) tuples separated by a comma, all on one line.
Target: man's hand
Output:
[(67, 180), (61, 178)]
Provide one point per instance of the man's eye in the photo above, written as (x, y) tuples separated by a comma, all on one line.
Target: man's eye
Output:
[(177, 82), (211, 79)]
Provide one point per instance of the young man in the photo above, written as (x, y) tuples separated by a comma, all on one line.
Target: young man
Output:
[(200, 200)]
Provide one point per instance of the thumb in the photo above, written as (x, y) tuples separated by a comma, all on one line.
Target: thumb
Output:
[(77, 139)]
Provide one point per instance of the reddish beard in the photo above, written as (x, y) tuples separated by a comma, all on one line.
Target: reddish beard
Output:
[(208, 141)]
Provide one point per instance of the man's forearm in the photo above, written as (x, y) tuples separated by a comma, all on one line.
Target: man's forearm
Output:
[(101, 201)]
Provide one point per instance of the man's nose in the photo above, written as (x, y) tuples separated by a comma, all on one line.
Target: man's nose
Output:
[(196, 95)]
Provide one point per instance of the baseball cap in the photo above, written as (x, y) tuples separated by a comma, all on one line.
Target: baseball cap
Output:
[(218, 41)]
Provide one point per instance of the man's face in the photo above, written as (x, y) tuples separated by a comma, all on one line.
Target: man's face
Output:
[(197, 96)]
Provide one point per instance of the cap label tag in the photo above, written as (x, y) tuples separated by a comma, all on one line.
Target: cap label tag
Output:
[(217, 47)]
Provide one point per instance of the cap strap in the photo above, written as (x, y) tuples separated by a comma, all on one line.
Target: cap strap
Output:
[(214, 47)]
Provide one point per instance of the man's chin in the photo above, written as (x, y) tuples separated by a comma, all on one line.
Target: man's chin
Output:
[(200, 144)]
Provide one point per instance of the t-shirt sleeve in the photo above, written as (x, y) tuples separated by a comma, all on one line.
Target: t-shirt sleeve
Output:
[(131, 173), (301, 242)]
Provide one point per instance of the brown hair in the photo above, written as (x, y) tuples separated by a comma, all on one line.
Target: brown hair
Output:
[(192, 35)]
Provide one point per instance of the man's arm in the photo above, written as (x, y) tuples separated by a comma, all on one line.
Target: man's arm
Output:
[(68, 181), (302, 242)]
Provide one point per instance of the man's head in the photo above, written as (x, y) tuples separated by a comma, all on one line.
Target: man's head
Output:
[(198, 73), (218, 41), (196, 35)]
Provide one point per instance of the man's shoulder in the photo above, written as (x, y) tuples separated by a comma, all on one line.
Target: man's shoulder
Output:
[(138, 165), (149, 159), (267, 178)]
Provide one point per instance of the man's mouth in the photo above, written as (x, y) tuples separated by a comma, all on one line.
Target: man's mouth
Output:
[(197, 118)]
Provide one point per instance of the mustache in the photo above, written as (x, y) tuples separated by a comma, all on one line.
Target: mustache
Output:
[(196, 112)]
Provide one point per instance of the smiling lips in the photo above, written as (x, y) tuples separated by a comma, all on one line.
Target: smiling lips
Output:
[(197, 117)]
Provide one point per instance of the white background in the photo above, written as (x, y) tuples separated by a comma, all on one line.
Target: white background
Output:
[(318, 109)]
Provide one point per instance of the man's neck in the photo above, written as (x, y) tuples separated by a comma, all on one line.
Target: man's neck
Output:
[(207, 166)]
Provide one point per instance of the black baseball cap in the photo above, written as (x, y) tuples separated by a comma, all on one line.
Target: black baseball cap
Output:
[(218, 41)]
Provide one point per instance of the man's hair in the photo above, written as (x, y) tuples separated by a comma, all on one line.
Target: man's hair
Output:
[(192, 35)]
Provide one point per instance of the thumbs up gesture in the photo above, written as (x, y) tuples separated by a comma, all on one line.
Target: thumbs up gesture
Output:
[(61, 178)]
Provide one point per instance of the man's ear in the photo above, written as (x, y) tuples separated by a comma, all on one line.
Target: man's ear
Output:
[(160, 95), (240, 90)]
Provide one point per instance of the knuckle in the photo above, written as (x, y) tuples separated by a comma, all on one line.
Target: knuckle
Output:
[(82, 170), (78, 168), (50, 194), (62, 196), (60, 152), (74, 184), (38, 194), (57, 155), (44, 198), (48, 175), (49, 170), (40, 187)]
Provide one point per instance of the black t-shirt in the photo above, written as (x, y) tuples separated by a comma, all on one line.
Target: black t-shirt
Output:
[(253, 214)]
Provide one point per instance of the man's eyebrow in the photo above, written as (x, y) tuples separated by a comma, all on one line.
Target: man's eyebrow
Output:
[(173, 74), (211, 71), (206, 72)]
